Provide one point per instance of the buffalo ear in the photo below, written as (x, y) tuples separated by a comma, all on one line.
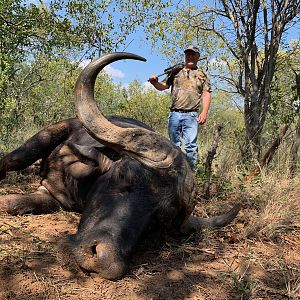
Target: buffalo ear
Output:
[(93, 154), (84, 152)]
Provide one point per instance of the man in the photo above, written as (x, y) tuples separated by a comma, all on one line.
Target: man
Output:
[(188, 86)]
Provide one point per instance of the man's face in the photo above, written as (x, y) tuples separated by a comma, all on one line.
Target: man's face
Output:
[(191, 58)]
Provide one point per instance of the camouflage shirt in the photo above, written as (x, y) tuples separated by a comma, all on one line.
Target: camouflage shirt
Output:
[(187, 87)]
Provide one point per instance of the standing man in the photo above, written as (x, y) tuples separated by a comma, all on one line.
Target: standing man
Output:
[(188, 86)]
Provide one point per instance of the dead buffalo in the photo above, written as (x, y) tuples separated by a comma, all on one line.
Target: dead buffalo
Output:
[(120, 174)]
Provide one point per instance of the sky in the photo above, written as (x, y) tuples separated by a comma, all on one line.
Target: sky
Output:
[(126, 71)]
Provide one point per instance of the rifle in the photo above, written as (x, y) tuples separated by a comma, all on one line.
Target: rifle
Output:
[(173, 69), (176, 68)]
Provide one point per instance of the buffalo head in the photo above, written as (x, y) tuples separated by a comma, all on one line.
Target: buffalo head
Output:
[(151, 183), (120, 174)]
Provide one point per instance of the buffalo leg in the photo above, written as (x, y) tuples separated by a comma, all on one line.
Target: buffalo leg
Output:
[(40, 202), (38, 146)]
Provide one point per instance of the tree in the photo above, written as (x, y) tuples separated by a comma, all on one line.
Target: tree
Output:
[(258, 27), (147, 105), (103, 26), (251, 32), (283, 95), (36, 38), (30, 37)]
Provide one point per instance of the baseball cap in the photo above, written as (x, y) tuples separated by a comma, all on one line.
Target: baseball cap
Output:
[(192, 48)]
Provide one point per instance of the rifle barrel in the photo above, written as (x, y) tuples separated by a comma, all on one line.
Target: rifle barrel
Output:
[(169, 70)]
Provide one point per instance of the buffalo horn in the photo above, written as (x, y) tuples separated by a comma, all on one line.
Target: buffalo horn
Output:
[(196, 223), (149, 147)]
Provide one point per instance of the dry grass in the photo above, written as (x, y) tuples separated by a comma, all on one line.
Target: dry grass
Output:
[(257, 257), (267, 230), (277, 201)]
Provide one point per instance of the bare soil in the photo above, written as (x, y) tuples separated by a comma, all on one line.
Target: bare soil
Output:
[(224, 264)]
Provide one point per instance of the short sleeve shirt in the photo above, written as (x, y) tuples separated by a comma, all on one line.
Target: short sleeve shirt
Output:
[(187, 87)]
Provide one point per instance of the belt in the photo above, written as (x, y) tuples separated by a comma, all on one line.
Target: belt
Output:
[(184, 110)]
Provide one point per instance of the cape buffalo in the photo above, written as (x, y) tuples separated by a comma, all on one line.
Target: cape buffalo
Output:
[(120, 174)]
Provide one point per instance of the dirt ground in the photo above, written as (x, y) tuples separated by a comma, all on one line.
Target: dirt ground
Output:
[(222, 264)]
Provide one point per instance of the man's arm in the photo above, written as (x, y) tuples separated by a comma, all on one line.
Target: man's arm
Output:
[(159, 85), (205, 107)]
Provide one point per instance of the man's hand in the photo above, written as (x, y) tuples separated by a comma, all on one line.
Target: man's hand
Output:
[(153, 79), (159, 85), (205, 107), (202, 118)]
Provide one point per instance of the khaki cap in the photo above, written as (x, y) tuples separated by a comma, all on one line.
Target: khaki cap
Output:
[(192, 48)]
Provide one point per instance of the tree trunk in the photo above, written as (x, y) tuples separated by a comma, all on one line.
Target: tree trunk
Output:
[(294, 150), (253, 126), (269, 154), (210, 156)]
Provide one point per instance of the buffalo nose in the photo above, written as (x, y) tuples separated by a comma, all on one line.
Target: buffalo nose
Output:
[(102, 259), (111, 265)]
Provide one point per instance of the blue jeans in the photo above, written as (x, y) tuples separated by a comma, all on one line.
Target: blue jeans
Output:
[(185, 126)]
